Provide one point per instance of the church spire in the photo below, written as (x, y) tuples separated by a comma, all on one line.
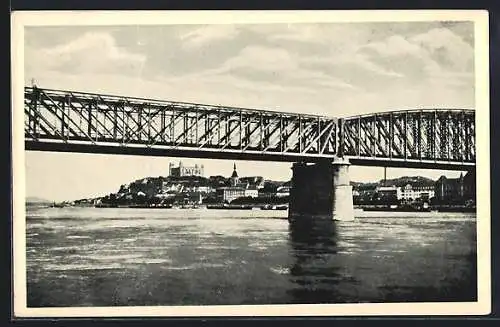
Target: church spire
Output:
[(235, 173)]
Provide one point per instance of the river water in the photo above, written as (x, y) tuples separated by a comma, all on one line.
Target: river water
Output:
[(118, 257)]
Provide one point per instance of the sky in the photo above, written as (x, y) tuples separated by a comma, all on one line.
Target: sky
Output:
[(333, 69)]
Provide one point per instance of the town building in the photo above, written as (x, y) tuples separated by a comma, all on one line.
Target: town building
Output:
[(413, 192), (188, 198), (447, 189), (237, 189), (283, 191), (406, 193), (452, 189), (181, 170), (388, 191), (470, 186), (230, 193), (257, 181)]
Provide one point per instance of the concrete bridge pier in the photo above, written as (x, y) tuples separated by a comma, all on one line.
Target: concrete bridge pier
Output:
[(321, 191)]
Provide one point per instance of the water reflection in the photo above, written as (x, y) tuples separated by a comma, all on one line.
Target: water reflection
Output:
[(314, 273)]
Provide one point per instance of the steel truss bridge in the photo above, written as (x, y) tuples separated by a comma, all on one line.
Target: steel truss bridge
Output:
[(94, 123)]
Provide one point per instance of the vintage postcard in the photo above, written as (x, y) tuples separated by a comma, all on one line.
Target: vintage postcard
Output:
[(238, 163)]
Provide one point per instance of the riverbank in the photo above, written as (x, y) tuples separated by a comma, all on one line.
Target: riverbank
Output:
[(196, 206), (409, 208)]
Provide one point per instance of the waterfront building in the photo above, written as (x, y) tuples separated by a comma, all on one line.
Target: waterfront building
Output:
[(283, 191), (461, 188), (188, 198), (265, 194), (470, 186), (257, 181), (388, 191), (230, 193), (406, 193), (181, 170), (251, 191), (447, 189), (237, 189), (412, 192)]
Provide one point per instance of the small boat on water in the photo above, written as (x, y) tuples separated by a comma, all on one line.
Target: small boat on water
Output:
[(398, 209), (230, 206), (457, 209), (274, 207)]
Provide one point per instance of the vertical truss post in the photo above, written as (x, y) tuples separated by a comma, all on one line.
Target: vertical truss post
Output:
[(115, 122), (247, 132), (281, 132), (449, 136), (35, 113), (359, 136), (172, 126), (162, 126), (434, 132), (391, 134), (374, 135), (300, 134), (219, 127), (185, 124), (241, 129), (227, 128), (261, 132), (419, 139), (266, 131), (319, 136), (405, 136), (63, 119), (197, 127), (139, 112), (149, 123), (467, 128), (89, 113), (126, 122), (463, 133), (341, 138)]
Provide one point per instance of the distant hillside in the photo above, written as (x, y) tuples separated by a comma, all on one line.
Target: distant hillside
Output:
[(412, 180), (400, 181), (37, 200), (363, 186)]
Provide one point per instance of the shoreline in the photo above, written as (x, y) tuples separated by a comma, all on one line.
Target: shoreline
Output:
[(381, 209)]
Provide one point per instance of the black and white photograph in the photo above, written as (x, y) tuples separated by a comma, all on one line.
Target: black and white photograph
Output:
[(251, 163)]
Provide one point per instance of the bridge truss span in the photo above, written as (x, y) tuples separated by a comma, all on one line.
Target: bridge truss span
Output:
[(78, 118), (425, 136), (94, 123)]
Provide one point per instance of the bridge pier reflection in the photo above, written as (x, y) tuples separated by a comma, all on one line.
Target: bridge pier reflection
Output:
[(315, 273), (321, 190)]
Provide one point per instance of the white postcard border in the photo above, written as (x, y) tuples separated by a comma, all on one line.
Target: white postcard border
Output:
[(19, 20)]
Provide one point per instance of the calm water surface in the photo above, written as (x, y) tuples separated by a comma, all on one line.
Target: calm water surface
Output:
[(103, 257)]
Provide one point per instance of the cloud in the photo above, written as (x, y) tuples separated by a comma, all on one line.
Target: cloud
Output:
[(276, 66), (90, 53), (341, 36), (344, 69), (447, 48), (434, 54), (262, 58), (208, 34)]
